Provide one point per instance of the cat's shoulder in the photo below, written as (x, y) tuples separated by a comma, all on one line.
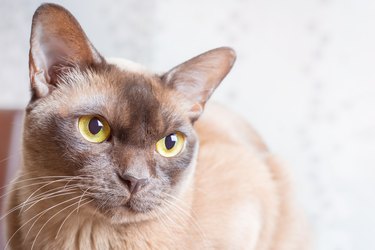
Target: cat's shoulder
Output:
[(219, 123)]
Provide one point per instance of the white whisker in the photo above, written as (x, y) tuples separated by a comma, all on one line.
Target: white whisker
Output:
[(51, 182), (81, 205), (40, 230), (39, 214)]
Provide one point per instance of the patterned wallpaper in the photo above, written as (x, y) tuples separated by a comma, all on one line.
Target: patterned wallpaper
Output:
[(304, 78)]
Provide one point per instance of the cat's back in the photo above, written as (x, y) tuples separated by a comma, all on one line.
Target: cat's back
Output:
[(242, 191)]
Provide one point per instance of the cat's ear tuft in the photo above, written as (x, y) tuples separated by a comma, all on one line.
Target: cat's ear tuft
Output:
[(198, 77), (57, 42)]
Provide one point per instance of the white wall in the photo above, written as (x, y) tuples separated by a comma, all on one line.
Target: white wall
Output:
[(304, 78)]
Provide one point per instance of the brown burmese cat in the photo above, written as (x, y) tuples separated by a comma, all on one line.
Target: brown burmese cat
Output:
[(116, 158)]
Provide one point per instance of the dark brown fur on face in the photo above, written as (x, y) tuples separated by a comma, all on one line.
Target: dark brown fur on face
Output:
[(224, 190), (139, 115)]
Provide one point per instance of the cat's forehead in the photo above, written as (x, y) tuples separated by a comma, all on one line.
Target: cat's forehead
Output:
[(110, 87), (116, 84)]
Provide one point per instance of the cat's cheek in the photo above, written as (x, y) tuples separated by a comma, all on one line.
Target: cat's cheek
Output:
[(175, 172)]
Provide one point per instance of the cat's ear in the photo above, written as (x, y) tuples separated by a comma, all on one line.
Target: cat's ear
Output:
[(57, 42), (198, 77)]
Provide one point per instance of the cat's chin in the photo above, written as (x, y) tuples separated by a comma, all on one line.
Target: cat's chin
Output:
[(126, 214)]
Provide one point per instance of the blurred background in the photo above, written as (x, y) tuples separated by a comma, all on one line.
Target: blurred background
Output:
[(304, 78)]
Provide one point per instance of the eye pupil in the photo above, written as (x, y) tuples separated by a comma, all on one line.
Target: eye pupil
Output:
[(95, 126), (170, 141)]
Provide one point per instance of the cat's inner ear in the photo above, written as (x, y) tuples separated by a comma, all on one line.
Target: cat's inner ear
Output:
[(197, 78), (57, 42)]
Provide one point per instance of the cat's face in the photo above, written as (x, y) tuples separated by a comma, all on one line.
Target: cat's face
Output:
[(139, 111), (124, 136)]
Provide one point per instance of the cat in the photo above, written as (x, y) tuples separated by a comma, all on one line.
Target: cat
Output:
[(117, 157)]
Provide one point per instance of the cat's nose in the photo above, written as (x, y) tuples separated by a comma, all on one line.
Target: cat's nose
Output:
[(133, 184)]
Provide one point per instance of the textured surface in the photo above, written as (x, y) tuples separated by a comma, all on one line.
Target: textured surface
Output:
[(304, 77)]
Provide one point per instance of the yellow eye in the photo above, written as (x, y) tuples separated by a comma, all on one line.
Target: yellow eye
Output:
[(171, 145), (94, 128)]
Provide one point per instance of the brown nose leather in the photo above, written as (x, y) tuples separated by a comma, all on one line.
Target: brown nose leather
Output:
[(133, 184)]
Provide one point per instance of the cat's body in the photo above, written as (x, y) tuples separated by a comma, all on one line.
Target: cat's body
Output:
[(240, 200), (225, 192)]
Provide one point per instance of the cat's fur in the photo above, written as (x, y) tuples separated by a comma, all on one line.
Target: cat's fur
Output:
[(224, 191)]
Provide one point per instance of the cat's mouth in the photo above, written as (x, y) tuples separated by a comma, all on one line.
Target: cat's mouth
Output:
[(141, 204), (134, 209), (120, 204), (130, 205)]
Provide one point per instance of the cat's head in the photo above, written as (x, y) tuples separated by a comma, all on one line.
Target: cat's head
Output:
[(124, 135)]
